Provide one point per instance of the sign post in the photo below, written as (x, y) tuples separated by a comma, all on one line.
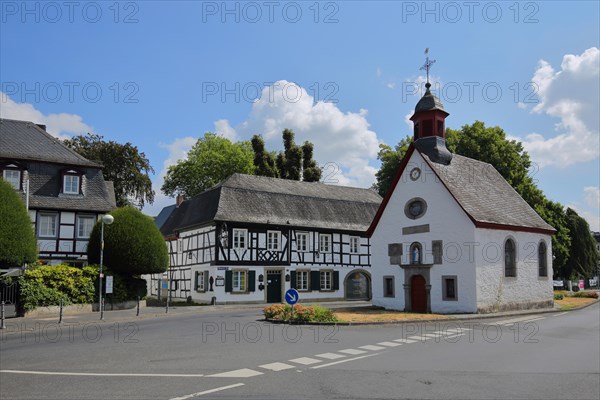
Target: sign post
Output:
[(292, 297)]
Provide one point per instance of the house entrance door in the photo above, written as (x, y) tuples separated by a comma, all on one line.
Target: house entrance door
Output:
[(418, 294), (273, 286)]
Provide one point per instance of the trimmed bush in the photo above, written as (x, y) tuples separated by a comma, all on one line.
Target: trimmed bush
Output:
[(48, 285), (133, 245), (283, 312), (18, 245), (591, 295), (558, 296)]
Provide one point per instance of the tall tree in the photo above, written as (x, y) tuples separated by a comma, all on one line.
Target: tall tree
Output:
[(124, 165), (17, 239), (294, 162), (583, 253), (489, 144), (212, 159)]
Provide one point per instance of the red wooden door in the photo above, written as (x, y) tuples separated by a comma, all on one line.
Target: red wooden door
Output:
[(418, 294)]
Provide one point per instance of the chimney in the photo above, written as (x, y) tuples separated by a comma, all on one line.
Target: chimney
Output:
[(179, 199), (43, 127)]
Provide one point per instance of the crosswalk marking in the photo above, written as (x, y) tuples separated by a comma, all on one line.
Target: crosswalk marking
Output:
[(330, 356), (434, 335), (305, 361), (352, 351), (415, 338), (238, 373), (276, 366), (404, 341), (371, 347), (389, 344)]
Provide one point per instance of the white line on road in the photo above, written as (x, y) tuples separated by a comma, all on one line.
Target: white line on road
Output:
[(276, 366), (371, 347), (14, 371), (330, 356), (559, 314), (238, 373), (189, 396), (343, 361), (352, 352), (389, 344), (305, 360), (404, 341)]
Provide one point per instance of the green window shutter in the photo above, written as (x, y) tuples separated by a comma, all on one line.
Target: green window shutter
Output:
[(336, 280), (251, 281), (228, 281), (205, 281), (315, 280), (293, 280), (196, 280)]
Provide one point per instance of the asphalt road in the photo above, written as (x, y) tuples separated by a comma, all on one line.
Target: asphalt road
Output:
[(233, 355)]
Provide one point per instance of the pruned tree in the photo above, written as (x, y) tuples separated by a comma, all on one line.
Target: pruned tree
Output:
[(18, 244)]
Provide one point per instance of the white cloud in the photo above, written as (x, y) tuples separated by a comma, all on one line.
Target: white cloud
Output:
[(60, 125), (592, 197), (391, 85), (223, 128), (343, 142), (571, 95)]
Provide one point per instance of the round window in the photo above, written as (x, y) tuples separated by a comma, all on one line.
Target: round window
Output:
[(415, 208)]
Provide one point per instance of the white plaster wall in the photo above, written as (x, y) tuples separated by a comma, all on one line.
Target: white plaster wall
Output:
[(496, 291), (447, 222)]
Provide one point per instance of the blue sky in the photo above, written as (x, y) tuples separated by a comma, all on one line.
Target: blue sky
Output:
[(343, 74)]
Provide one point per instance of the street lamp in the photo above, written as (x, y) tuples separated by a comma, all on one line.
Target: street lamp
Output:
[(106, 219)]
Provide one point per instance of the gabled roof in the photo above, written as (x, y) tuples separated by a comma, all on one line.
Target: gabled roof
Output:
[(479, 189), (24, 140), (261, 200)]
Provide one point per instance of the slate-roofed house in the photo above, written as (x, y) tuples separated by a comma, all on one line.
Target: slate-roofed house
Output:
[(452, 236), (65, 192), (250, 238)]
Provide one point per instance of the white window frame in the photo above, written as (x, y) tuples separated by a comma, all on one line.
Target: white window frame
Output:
[(303, 241), (81, 218), (326, 280), (240, 238), (303, 280), (200, 282), (11, 181), (42, 228), (354, 244), (322, 247), (66, 187), (273, 245), (239, 280)]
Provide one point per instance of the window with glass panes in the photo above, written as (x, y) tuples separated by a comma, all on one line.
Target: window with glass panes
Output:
[(239, 281), (302, 241), (302, 280), (239, 238), (325, 243), (354, 244), (71, 184), (273, 240), (326, 280), (85, 224)]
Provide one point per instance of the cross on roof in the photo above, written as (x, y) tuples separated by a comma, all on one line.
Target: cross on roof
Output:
[(428, 63)]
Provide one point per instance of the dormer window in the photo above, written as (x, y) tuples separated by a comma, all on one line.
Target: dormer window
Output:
[(71, 182), (12, 174)]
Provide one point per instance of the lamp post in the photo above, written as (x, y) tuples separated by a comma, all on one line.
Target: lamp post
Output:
[(106, 219)]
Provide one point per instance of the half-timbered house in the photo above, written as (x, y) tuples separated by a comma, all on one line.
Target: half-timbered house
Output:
[(251, 238), (64, 192)]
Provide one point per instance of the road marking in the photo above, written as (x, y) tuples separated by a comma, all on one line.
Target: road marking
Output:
[(189, 396), (389, 344), (330, 356), (513, 320), (352, 352), (14, 371), (558, 315), (305, 360), (371, 347), (276, 366), (434, 335), (415, 338), (343, 361), (238, 373), (457, 330), (404, 341)]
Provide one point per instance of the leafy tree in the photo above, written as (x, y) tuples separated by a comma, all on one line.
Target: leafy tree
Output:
[(18, 244), (295, 162), (212, 159), (124, 165), (489, 144), (133, 245), (583, 254)]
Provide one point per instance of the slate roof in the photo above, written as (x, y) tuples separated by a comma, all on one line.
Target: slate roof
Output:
[(24, 140), (261, 200), (479, 189), (429, 102), (44, 157)]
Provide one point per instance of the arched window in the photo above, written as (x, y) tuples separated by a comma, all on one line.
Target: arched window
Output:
[(416, 253), (510, 259), (542, 259)]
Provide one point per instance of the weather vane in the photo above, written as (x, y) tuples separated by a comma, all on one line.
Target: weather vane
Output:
[(428, 63)]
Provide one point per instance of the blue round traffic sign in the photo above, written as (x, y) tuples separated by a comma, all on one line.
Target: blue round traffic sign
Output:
[(292, 296)]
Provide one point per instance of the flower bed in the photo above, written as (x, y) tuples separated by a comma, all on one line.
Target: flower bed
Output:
[(283, 312)]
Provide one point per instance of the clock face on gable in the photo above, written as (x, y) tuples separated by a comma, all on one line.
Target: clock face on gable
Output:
[(415, 208), (415, 173)]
